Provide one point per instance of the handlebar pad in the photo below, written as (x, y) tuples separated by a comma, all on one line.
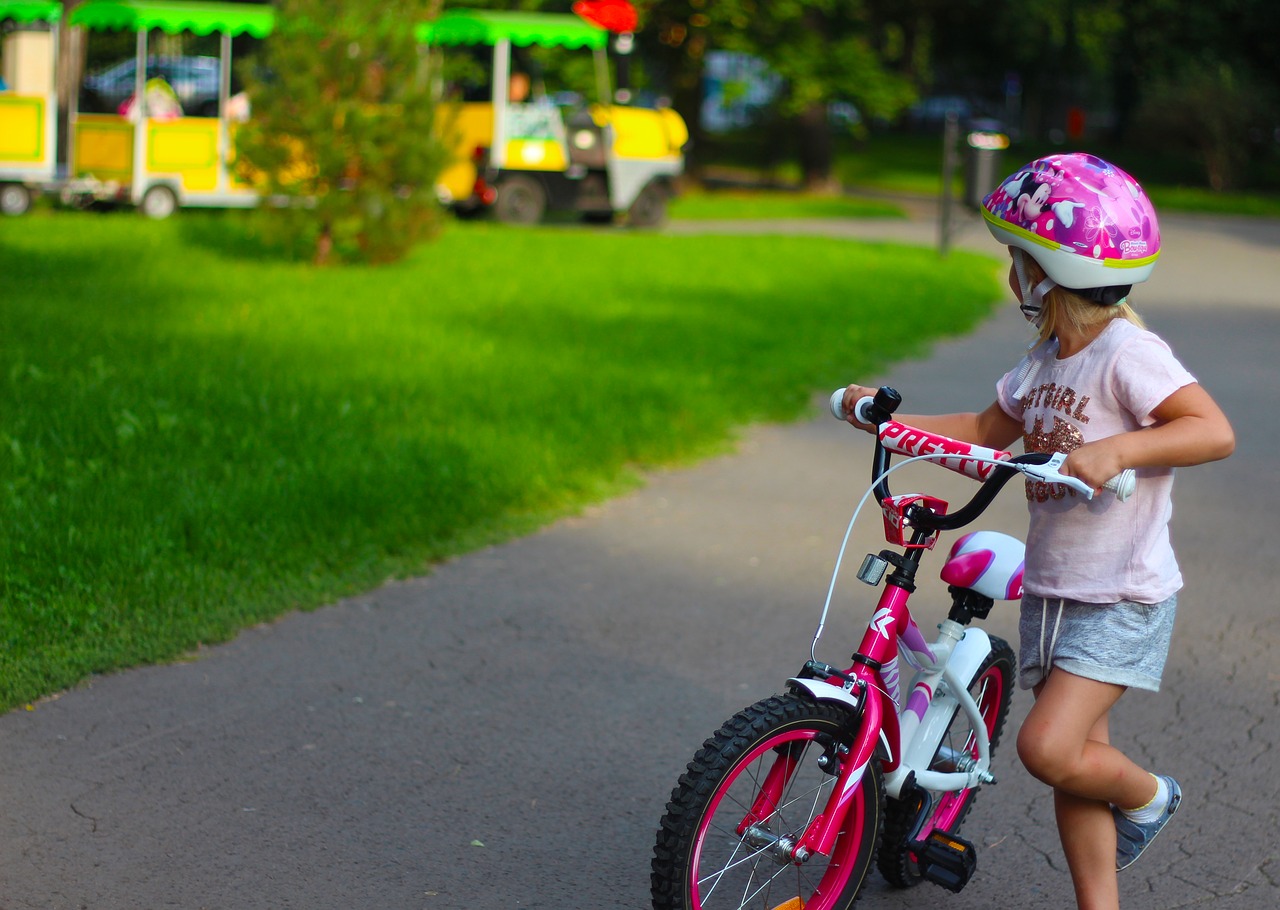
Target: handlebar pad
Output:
[(961, 456)]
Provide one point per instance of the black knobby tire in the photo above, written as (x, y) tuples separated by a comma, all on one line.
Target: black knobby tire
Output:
[(992, 688), (701, 862), (521, 200)]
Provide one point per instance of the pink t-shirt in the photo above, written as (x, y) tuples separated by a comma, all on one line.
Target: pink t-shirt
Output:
[(1100, 550)]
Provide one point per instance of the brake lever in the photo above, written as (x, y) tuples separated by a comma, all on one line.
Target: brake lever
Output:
[(1049, 473)]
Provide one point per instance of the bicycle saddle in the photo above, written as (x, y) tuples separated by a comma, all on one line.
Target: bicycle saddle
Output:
[(988, 562)]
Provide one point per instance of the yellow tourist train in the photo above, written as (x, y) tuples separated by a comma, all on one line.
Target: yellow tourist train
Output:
[(28, 100), (154, 155), (521, 152), (513, 156)]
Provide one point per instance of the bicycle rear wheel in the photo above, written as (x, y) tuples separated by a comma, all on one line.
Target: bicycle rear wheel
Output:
[(992, 689), (711, 856)]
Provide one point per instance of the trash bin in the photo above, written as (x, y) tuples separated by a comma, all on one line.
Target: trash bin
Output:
[(983, 151)]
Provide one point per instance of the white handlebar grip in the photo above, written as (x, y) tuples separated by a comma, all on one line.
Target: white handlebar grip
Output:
[(837, 404), (859, 407), (1123, 484)]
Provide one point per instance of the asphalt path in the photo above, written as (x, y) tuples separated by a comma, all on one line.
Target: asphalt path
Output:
[(504, 732)]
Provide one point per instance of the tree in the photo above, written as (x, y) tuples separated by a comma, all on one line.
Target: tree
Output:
[(1212, 112), (342, 129), (825, 50), (1181, 79), (1202, 78)]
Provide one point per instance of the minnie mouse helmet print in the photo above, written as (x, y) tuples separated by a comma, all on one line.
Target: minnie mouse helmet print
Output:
[(1086, 222)]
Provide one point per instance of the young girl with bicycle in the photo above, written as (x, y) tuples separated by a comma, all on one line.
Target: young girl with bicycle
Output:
[(1101, 579)]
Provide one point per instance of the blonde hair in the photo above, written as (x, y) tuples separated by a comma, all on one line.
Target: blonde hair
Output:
[(1063, 307)]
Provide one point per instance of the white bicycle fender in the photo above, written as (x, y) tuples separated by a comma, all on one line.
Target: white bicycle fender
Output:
[(825, 691), (969, 654)]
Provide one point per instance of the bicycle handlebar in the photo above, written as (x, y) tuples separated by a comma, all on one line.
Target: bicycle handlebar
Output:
[(978, 462)]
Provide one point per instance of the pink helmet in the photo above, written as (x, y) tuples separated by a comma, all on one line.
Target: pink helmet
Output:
[(1086, 222)]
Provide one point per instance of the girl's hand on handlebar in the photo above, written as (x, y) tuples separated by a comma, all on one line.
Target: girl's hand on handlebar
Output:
[(1095, 463), (852, 395)]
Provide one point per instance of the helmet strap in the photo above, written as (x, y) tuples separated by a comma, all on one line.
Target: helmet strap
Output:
[(1032, 304)]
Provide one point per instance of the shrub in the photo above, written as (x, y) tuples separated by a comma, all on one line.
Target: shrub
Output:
[(341, 134)]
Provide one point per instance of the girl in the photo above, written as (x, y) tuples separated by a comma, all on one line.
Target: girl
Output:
[(1101, 579)]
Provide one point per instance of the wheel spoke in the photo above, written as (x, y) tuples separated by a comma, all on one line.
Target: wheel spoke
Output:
[(716, 876), (803, 885)]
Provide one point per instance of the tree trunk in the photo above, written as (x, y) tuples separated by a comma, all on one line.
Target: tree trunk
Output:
[(324, 246), (686, 100), (816, 150)]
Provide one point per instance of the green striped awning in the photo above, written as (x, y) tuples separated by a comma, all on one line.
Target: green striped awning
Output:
[(26, 11), (474, 26), (175, 16)]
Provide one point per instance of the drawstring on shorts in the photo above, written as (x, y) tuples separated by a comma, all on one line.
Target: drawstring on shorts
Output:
[(1053, 639)]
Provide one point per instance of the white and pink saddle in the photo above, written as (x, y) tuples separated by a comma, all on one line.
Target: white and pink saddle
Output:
[(988, 562)]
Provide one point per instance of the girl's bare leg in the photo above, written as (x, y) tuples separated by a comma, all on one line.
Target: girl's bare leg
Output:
[(1088, 835), (1065, 742)]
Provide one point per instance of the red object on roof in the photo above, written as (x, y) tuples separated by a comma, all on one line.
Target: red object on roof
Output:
[(615, 15)]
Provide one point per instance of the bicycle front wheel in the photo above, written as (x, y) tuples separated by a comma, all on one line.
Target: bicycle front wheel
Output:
[(747, 798)]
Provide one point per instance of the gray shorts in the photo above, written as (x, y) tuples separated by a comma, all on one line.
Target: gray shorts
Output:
[(1124, 643)]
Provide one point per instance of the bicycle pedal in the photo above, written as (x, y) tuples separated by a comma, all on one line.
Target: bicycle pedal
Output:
[(946, 859)]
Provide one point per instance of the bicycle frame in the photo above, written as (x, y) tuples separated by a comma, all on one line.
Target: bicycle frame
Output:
[(891, 634), (908, 731)]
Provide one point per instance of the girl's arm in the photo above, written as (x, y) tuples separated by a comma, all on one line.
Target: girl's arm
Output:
[(1190, 429), (992, 428)]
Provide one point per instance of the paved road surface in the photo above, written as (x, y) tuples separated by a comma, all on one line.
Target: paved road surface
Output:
[(504, 732)]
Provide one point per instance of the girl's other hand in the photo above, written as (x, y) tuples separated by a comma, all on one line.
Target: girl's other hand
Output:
[(852, 395)]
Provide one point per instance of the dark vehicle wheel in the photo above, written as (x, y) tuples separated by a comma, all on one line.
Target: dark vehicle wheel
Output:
[(15, 199), (649, 208), (521, 200), (159, 202)]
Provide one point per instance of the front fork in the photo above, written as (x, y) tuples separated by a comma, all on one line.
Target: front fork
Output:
[(820, 836)]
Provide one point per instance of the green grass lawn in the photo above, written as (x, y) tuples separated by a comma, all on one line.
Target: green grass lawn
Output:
[(195, 437)]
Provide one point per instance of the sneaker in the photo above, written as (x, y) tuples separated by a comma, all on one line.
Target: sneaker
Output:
[(1134, 837)]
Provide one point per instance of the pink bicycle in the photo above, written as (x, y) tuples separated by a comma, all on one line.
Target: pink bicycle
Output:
[(787, 805)]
